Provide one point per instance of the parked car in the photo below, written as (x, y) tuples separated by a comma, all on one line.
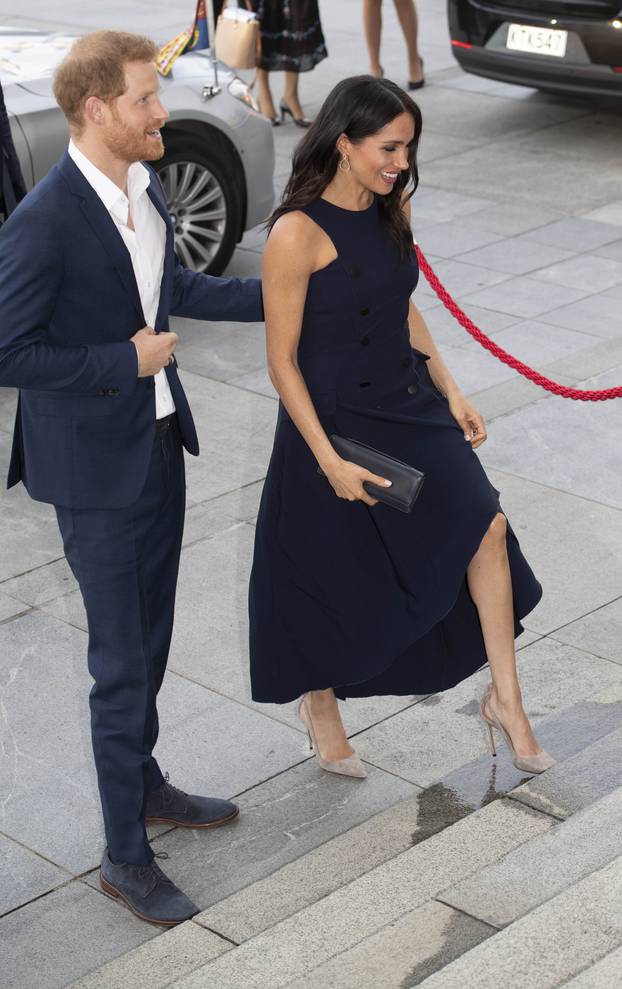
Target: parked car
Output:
[(571, 46), (218, 166)]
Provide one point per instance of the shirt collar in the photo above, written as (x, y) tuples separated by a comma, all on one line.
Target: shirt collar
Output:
[(113, 198)]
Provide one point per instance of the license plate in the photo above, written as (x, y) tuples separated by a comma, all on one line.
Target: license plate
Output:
[(537, 40)]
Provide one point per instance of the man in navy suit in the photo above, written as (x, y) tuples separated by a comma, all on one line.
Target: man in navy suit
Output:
[(88, 279)]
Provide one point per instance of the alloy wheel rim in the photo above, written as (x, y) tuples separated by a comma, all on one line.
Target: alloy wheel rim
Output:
[(196, 203)]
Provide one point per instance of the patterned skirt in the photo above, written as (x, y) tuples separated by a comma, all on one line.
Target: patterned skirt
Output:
[(291, 35)]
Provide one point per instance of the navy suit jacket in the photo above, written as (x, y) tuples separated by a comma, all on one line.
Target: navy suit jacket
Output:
[(69, 304)]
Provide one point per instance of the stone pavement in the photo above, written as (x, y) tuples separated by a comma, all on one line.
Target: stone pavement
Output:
[(442, 869)]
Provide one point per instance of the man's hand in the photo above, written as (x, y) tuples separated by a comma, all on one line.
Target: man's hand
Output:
[(154, 350)]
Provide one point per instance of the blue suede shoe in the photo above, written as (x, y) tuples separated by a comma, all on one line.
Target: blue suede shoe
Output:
[(168, 805), (146, 891)]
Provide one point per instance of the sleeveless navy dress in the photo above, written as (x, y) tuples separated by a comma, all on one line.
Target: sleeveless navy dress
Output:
[(370, 600)]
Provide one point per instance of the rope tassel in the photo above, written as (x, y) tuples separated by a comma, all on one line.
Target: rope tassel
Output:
[(579, 394)]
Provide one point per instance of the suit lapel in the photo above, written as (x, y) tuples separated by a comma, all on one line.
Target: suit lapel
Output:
[(156, 196), (103, 227)]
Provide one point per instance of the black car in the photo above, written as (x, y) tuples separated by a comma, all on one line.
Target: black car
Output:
[(572, 46)]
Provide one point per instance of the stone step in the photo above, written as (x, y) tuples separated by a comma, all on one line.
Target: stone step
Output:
[(527, 876), (425, 940), (286, 891), (605, 974), (549, 945), (159, 961), (401, 954), (346, 916), (578, 782), (346, 857)]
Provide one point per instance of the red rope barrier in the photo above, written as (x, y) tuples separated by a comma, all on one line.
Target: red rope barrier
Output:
[(579, 394)]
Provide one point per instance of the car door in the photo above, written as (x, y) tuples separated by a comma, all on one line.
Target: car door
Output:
[(42, 124), (19, 142)]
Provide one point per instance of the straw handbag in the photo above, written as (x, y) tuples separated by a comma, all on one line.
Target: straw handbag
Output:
[(237, 34)]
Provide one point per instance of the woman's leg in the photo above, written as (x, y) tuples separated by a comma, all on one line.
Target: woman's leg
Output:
[(372, 22), (407, 16), (264, 94), (290, 95), (490, 585), (323, 709)]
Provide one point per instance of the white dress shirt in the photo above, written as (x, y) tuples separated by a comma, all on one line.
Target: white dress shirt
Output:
[(145, 244)]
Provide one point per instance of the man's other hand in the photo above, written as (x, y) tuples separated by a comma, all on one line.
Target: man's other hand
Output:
[(155, 350)]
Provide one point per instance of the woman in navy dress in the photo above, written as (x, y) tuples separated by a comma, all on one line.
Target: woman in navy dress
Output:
[(350, 597)]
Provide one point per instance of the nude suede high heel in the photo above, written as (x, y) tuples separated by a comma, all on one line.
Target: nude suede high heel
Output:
[(351, 766), (526, 763)]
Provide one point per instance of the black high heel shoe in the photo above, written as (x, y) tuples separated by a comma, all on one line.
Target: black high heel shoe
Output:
[(299, 121), (420, 82), (273, 120)]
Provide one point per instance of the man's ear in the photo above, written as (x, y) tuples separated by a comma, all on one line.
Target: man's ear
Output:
[(94, 111)]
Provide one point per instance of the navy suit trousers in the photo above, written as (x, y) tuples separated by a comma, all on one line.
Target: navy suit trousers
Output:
[(126, 562)]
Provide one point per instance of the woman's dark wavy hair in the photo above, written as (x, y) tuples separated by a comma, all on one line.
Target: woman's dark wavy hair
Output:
[(357, 107)]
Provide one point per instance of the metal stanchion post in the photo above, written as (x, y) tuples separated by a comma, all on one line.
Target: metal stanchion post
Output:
[(211, 51)]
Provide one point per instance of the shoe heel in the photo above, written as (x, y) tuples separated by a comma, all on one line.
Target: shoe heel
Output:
[(107, 888), (303, 719), (534, 764), (350, 766), (491, 740)]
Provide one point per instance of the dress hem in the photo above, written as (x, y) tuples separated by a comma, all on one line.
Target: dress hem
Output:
[(341, 690)]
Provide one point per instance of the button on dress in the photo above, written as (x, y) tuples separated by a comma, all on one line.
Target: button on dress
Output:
[(368, 600)]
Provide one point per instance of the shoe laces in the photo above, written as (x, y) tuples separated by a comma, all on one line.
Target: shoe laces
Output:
[(153, 869), (172, 790)]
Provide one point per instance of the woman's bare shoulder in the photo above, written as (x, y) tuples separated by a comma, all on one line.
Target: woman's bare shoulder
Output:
[(296, 235), (293, 225)]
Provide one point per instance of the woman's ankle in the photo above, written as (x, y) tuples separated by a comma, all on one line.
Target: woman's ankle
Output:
[(507, 698), (267, 108), (320, 700), (415, 70), (294, 104)]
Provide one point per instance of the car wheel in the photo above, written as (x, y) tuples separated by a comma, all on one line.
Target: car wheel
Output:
[(203, 204)]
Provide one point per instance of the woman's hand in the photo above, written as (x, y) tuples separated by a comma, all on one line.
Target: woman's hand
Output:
[(347, 479), (469, 419)]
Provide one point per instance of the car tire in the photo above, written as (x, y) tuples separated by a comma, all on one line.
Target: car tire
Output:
[(203, 201)]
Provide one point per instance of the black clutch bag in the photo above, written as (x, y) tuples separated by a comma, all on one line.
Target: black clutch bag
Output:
[(406, 481)]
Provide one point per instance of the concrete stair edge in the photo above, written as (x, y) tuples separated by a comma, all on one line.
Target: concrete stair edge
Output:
[(486, 834), (372, 830), (406, 956)]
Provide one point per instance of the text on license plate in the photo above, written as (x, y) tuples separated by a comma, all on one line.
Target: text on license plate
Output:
[(537, 40)]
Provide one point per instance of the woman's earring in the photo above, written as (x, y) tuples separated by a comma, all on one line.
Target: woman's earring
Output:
[(344, 164)]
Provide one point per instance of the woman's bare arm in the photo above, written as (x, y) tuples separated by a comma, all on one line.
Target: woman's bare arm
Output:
[(466, 415), (421, 339)]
